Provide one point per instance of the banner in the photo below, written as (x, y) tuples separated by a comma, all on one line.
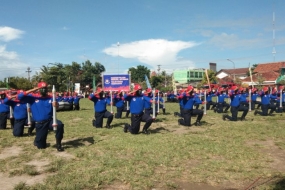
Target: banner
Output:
[(77, 88), (116, 82), (147, 82)]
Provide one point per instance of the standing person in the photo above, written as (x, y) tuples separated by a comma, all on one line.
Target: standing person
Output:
[(42, 111), (4, 112), (137, 105), (21, 117), (70, 101), (235, 105), (188, 100), (100, 108), (265, 103)]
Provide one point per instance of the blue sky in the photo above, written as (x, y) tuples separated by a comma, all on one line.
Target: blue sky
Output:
[(125, 33)]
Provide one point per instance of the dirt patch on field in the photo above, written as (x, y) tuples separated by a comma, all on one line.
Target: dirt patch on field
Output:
[(11, 151), (8, 183), (274, 153)]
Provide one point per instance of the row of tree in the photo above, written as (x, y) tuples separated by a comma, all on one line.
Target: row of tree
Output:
[(64, 76)]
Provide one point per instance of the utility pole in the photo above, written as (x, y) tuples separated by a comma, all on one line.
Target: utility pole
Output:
[(28, 71), (158, 69)]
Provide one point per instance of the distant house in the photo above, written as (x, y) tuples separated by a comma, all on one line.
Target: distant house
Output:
[(240, 73), (269, 73)]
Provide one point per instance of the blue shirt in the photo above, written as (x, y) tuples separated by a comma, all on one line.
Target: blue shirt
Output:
[(100, 103), (19, 108), (137, 103)]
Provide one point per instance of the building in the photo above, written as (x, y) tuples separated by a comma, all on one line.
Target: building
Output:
[(267, 74), (240, 73)]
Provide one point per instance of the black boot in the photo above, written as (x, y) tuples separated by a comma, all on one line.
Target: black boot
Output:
[(163, 109), (30, 131), (198, 123), (128, 112), (145, 131), (108, 126), (58, 145), (126, 127)]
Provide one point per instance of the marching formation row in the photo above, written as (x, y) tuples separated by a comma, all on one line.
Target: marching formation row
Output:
[(36, 108)]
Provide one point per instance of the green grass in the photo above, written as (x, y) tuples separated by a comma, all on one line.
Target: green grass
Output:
[(217, 153)]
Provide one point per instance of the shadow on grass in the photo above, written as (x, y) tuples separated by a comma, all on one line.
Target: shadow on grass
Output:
[(280, 184), (79, 142), (158, 130)]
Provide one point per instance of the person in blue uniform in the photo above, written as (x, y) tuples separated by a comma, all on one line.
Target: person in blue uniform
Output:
[(119, 102), (100, 108), (137, 106), (265, 103), (21, 117), (4, 112), (76, 101), (235, 105), (254, 96), (188, 100), (221, 103), (210, 94), (42, 112)]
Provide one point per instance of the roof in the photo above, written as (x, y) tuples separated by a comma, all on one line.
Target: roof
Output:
[(265, 67), (267, 76), (237, 71)]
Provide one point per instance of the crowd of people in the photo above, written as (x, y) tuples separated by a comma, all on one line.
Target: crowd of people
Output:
[(36, 108)]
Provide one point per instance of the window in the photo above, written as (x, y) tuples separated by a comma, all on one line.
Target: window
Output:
[(196, 74), (191, 74), (200, 75)]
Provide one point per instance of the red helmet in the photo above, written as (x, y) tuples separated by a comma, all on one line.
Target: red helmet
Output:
[(137, 87), (42, 84), (254, 90), (281, 87), (148, 90), (265, 89), (98, 90), (221, 89), (2, 92), (234, 87), (189, 88)]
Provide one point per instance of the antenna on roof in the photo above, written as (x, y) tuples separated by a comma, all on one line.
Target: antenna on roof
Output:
[(273, 51)]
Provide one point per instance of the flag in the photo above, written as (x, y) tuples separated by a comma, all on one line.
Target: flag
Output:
[(147, 82)]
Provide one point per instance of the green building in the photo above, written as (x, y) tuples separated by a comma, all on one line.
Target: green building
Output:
[(184, 77)]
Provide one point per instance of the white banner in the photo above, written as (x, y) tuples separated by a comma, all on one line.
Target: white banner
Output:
[(77, 88)]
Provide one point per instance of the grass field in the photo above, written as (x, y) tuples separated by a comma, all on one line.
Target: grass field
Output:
[(217, 155)]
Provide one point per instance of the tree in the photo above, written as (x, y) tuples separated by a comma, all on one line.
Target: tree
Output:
[(260, 80), (20, 83), (89, 70), (212, 77), (138, 74)]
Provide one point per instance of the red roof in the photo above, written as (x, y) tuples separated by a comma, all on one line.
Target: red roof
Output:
[(265, 67), (267, 76), (238, 71)]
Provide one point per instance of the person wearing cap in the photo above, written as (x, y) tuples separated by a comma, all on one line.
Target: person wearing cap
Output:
[(4, 112), (221, 103), (159, 99), (209, 95), (76, 99), (265, 103), (188, 100), (147, 105), (119, 102), (42, 111), (100, 108), (254, 96), (137, 105), (20, 115), (235, 105)]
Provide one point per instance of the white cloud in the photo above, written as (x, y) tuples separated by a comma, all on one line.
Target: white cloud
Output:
[(152, 52), (7, 33), (10, 64), (231, 41)]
